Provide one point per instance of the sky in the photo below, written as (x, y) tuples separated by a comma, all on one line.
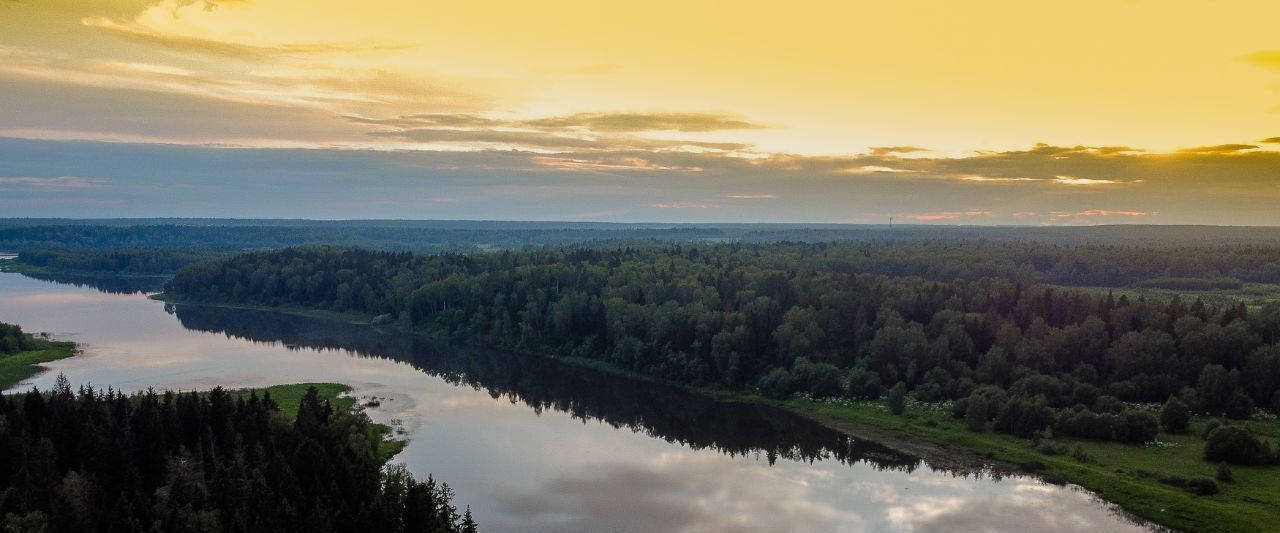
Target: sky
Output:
[(1029, 113)]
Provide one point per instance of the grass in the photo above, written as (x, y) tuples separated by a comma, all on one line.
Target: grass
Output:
[(1142, 479), (22, 365), (288, 397)]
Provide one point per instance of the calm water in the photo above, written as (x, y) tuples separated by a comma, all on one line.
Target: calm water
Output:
[(537, 446)]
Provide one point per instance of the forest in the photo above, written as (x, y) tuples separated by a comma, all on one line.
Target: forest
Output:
[(787, 319), (96, 460), (1227, 266)]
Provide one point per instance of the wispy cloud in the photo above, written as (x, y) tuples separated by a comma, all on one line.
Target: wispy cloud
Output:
[(1072, 180), (60, 183), (1264, 59), (648, 121), (169, 23), (684, 205), (1218, 149), (892, 150), (1091, 214), (936, 216), (751, 196), (984, 179)]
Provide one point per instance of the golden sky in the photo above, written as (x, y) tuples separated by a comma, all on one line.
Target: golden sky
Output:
[(798, 92)]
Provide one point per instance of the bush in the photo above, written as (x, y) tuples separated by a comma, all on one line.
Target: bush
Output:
[(1136, 427), (1235, 445), (820, 380), (1224, 473), (1202, 486), (1024, 416), (1049, 447), (1081, 422), (976, 413), (1175, 416), (1209, 427), (864, 384), (898, 398), (778, 383)]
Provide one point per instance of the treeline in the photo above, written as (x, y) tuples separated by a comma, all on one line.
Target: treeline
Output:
[(1176, 268), (782, 319), (104, 461), (391, 237), (13, 340), (125, 261)]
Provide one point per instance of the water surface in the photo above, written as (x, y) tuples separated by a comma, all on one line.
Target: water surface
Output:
[(533, 445)]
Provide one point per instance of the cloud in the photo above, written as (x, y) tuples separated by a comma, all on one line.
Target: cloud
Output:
[(147, 28), (890, 150), (534, 139), (1264, 59), (1072, 180), (1218, 149), (750, 196), (984, 179), (1096, 213), (684, 205), (561, 133), (875, 169), (948, 215), (194, 181), (651, 121), (60, 183), (1270, 140)]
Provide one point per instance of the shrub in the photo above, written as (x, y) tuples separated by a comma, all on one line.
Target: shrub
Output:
[(1235, 445), (1024, 416), (1136, 427), (976, 413), (1202, 486), (1209, 427), (1081, 422), (778, 383), (1049, 447), (898, 398), (1174, 416), (1224, 473)]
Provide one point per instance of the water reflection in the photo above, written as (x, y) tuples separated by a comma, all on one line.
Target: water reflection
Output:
[(107, 284), (537, 446), (656, 410)]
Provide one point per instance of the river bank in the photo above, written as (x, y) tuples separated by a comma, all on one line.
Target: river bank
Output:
[(22, 365), (1144, 481)]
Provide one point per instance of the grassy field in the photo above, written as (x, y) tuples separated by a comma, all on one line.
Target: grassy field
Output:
[(1143, 479), (22, 365), (288, 397)]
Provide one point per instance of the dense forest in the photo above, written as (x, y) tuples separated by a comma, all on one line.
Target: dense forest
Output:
[(13, 340), (105, 461), (1178, 268), (788, 319)]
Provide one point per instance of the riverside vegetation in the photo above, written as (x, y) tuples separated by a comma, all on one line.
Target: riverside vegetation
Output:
[(1110, 392), (98, 460), (21, 354)]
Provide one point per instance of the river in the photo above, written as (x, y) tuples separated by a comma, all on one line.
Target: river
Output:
[(533, 445)]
